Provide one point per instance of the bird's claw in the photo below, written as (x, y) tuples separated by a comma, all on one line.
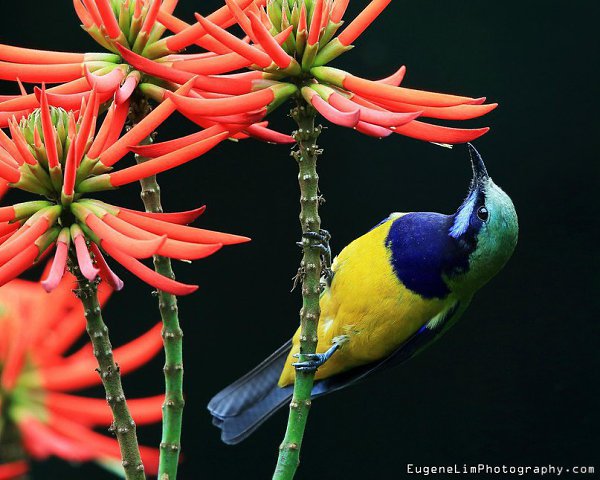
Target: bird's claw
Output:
[(313, 362), (322, 238)]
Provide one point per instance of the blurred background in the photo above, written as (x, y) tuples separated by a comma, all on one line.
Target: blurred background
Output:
[(516, 381)]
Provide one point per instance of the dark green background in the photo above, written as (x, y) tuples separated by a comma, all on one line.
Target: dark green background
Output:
[(516, 381)]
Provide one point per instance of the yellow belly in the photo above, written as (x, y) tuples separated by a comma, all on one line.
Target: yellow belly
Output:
[(367, 303)]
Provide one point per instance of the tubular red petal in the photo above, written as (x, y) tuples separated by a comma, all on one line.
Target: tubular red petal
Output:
[(213, 65), (231, 41), (48, 131), (70, 101), (19, 263), (94, 411), (150, 19), (101, 445), (109, 82), (263, 133), (241, 18), (102, 134), (59, 264), (345, 119), (189, 34), (31, 101), (82, 14), (82, 374), (83, 259), (223, 106), (357, 26), (10, 147), (129, 246), (165, 162), (53, 73), (315, 24), (24, 237), (368, 115), (458, 112), (179, 75), (180, 218), (148, 275), (415, 97), (70, 170), (9, 173), (125, 91), (377, 90), (338, 10), (92, 9), (281, 58), (50, 443), (395, 79), (110, 23), (21, 144), (438, 134), (170, 248), (85, 127), (106, 272), (302, 22), (373, 130), (41, 57), (141, 130), (71, 326), (179, 232), (10, 471), (5, 117), (7, 213), (7, 158), (168, 6), (163, 148), (116, 126)]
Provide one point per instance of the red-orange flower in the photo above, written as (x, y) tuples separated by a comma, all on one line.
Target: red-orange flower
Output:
[(288, 44), (141, 59), (55, 154), (37, 376)]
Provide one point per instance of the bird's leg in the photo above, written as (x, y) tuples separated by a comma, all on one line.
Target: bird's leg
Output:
[(321, 238), (315, 360)]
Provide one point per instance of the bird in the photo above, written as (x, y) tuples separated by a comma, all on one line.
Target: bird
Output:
[(391, 293)]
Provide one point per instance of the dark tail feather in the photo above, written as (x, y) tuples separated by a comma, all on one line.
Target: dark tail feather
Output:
[(243, 406)]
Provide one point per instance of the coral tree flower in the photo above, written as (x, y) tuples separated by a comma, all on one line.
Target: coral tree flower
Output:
[(38, 376), (139, 58), (290, 42), (55, 154)]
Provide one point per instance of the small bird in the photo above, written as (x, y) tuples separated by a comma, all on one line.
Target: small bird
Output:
[(393, 291)]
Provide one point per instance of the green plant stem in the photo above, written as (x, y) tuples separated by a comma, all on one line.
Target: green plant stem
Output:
[(310, 272), (172, 333), (123, 425)]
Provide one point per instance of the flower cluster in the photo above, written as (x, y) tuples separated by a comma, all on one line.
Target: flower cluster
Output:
[(55, 154), (289, 44), (139, 60), (37, 376)]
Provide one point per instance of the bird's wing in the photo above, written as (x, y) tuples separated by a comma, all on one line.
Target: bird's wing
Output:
[(417, 342)]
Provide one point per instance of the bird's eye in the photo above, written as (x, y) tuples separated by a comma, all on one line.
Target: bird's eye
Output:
[(483, 214)]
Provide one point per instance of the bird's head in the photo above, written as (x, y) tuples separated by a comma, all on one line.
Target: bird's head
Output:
[(486, 225)]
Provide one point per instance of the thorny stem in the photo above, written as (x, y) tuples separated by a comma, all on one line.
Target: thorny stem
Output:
[(172, 333), (11, 445), (310, 271), (123, 425)]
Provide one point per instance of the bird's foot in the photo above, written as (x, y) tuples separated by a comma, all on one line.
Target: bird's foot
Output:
[(321, 242), (314, 360)]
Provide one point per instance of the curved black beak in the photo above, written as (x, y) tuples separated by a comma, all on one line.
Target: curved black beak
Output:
[(479, 171)]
